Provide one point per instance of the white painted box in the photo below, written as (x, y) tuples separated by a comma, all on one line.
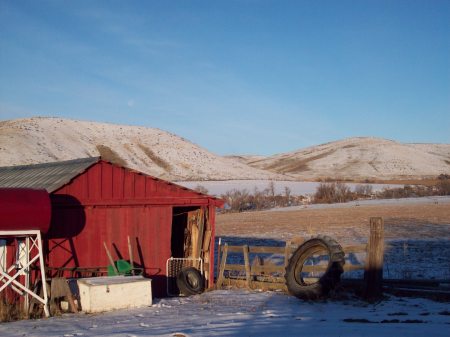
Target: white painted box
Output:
[(98, 294)]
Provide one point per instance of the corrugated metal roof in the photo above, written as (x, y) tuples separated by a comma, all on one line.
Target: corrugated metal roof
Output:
[(49, 176)]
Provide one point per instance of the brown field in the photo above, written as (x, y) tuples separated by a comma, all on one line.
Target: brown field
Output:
[(347, 224)]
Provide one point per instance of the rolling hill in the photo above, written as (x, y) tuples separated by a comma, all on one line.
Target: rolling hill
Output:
[(149, 150), (168, 156), (361, 158)]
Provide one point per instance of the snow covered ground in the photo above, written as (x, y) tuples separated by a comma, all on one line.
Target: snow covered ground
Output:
[(245, 313), (379, 202)]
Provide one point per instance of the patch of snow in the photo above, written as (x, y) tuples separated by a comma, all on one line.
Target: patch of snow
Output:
[(250, 313), (378, 202)]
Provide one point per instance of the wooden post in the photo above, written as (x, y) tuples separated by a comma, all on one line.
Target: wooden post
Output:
[(110, 258), (219, 252), (201, 231), (247, 265), (287, 253), (60, 288), (130, 253), (373, 274), (222, 266)]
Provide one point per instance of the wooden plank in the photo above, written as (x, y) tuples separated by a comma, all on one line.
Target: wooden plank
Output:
[(258, 249), (130, 254), (247, 264), (355, 249), (281, 250), (201, 231), (232, 249), (222, 266), (373, 274), (194, 241), (219, 253), (60, 288), (235, 267), (241, 283), (267, 250), (281, 269), (110, 258), (268, 268), (207, 241), (287, 253)]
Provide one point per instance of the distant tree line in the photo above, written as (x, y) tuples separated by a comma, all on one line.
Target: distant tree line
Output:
[(341, 192), (442, 187), (327, 192), (243, 200)]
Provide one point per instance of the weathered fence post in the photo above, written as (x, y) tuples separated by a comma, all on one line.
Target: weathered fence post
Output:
[(223, 262), (287, 253), (373, 274), (247, 265), (219, 252)]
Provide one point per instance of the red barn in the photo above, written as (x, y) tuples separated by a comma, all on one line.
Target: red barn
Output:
[(96, 202)]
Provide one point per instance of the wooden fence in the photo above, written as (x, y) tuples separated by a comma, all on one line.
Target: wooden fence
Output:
[(269, 276)]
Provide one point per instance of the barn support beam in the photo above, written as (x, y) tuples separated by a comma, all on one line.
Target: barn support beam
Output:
[(33, 251)]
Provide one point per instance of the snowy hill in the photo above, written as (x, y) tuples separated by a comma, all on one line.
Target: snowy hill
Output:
[(149, 150), (167, 156), (361, 158)]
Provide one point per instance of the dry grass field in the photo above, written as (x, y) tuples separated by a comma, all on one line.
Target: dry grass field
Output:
[(347, 224)]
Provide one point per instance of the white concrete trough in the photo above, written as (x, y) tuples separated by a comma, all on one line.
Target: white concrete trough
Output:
[(99, 294)]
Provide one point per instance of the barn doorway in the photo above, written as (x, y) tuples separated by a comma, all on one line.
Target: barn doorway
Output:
[(180, 231), (190, 244)]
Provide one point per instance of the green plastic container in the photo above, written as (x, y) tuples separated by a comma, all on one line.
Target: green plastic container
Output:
[(123, 267)]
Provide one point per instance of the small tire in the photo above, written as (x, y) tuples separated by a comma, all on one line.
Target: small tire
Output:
[(190, 281), (296, 283)]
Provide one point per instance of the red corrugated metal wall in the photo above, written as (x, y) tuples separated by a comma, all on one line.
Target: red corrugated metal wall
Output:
[(108, 203)]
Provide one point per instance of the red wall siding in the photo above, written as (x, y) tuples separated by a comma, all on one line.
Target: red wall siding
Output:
[(149, 229), (106, 182), (108, 203)]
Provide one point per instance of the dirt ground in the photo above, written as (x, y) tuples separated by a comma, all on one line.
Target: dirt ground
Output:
[(346, 224)]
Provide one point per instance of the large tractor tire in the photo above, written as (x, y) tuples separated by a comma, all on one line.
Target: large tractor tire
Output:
[(190, 281), (322, 253)]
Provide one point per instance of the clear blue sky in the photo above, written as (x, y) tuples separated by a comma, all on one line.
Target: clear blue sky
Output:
[(258, 77)]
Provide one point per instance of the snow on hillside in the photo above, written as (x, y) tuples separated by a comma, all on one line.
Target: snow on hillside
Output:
[(249, 313), (149, 150), (167, 156), (361, 158)]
